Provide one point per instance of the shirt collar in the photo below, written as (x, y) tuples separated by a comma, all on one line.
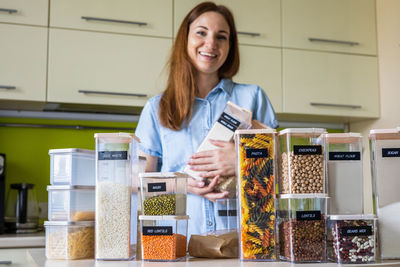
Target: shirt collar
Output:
[(224, 84)]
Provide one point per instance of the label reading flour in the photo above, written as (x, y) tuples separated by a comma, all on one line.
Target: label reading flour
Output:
[(309, 215), (157, 230), (257, 153), (356, 230), (344, 156), (390, 152), (156, 187), (307, 150)]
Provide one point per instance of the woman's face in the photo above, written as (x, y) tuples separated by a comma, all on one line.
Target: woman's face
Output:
[(208, 42)]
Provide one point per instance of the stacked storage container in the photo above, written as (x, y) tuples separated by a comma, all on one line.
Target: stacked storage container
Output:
[(71, 210)]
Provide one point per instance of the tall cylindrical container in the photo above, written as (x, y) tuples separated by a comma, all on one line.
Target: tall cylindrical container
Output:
[(115, 153), (256, 171)]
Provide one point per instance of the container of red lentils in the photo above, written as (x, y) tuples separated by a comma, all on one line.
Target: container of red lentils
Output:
[(164, 238)]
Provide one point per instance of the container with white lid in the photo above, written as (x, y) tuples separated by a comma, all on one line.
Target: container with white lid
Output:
[(71, 203), (69, 240), (163, 238), (115, 156), (226, 216), (302, 227), (351, 238), (163, 193), (385, 166), (344, 173), (72, 166), (302, 161)]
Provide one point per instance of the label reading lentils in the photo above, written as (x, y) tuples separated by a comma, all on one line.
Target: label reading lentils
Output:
[(256, 153), (307, 150), (156, 187), (157, 230), (390, 152), (309, 215), (228, 121), (356, 230), (344, 156), (113, 155)]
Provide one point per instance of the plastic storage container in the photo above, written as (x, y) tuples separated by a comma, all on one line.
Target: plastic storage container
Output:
[(256, 185), (164, 238), (72, 166), (69, 240), (163, 193), (115, 155), (226, 213), (385, 163), (302, 227), (344, 173), (351, 238), (302, 161), (71, 203)]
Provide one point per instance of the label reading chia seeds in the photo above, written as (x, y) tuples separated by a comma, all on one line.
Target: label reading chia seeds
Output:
[(356, 230), (257, 153), (307, 150), (157, 230), (309, 215), (390, 152), (344, 156), (113, 155), (156, 187)]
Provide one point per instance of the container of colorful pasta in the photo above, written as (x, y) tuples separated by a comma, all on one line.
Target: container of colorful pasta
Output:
[(164, 238), (256, 172)]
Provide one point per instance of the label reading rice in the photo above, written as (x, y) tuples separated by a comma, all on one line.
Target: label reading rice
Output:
[(390, 152), (307, 150), (257, 153), (308, 215), (157, 230), (113, 155), (156, 187), (356, 230), (344, 156)]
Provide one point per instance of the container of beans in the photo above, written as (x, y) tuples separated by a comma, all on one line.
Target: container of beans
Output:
[(69, 240), (344, 173), (302, 227), (163, 238), (163, 193), (385, 163), (302, 161), (256, 188), (351, 238), (71, 203)]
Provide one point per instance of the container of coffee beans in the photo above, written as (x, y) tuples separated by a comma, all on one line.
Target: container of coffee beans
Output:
[(302, 161), (344, 173), (351, 238), (302, 227), (163, 193)]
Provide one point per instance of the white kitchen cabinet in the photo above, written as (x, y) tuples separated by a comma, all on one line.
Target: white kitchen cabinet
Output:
[(257, 21), (24, 12), (262, 66), (330, 25), (150, 17), (104, 68), (320, 83), (23, 53)]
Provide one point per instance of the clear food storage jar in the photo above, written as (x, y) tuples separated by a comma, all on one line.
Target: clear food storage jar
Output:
[(71, 203), (385, 163), (256, 187), (302, 161), (226, 213), (69, 240), (351, 238), (344, 173), (163, 193), (164, 238), (115, 155), (72, 166), (302, 227)]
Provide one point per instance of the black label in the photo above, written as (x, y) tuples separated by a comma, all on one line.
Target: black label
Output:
[(307, 150), (309, 215), (390, 152), (229, 122), (113, 155), (256, 153), (157, 230), (156, 187), (224, 213), (344, 156), (356, 230)]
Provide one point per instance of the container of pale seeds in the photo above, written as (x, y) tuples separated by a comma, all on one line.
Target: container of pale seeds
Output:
[(163, 193)]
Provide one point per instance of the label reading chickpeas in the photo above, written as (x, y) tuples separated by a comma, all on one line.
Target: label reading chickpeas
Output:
[(156, 187), (356, 230), (309, 215), (257, 153), (307, 150), (157, 230), (344, 156)]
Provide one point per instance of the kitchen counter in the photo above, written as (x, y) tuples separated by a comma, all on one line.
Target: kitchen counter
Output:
[(23, 240), (36, 257)]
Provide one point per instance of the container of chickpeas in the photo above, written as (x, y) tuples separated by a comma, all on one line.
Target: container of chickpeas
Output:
[(302, 161)]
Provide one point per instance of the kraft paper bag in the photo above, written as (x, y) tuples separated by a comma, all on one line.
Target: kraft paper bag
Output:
[(214, 246)]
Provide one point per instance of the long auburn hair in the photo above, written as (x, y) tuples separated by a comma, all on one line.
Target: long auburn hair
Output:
[(176, 104)]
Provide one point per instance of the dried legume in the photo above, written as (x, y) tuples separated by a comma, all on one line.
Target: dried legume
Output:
[(163, 247), (164, 204)]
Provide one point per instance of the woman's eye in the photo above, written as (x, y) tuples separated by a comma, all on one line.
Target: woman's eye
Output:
[(222, 37), (201, 33)]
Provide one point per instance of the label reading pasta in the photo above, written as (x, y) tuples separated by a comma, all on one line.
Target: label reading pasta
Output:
[(256, 153), (390, 152), (344, 156), (156, 187), (113, 155), (309, 215), (157, 230), (356, 230), (307, 150)]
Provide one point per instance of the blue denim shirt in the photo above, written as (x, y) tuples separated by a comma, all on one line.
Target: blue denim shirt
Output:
[(175, 147)]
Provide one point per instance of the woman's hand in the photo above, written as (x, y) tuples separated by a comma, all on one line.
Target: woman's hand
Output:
[(199, 188), (211, 163)]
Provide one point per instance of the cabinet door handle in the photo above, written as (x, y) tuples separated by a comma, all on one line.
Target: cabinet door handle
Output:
[(252, 34), (8, 10), (335, 105), (115, 20), (109, 93), (333, 41), (8, 87)]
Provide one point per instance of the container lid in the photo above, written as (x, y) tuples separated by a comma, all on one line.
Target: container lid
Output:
[(352, 217), (70, 187), (385, 134), (287, 196), (256, 131), (163, 217), (162, 175), (303, 131), (65, 223), (117, 137), (71, 150)]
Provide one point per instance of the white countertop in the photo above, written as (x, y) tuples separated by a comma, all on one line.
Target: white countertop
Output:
[(23, 240)]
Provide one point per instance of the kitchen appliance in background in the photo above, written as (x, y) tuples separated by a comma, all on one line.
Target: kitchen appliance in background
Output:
[(22, 209), (2, 190)]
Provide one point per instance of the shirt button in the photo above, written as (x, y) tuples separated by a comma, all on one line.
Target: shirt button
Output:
[(210, 223)]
